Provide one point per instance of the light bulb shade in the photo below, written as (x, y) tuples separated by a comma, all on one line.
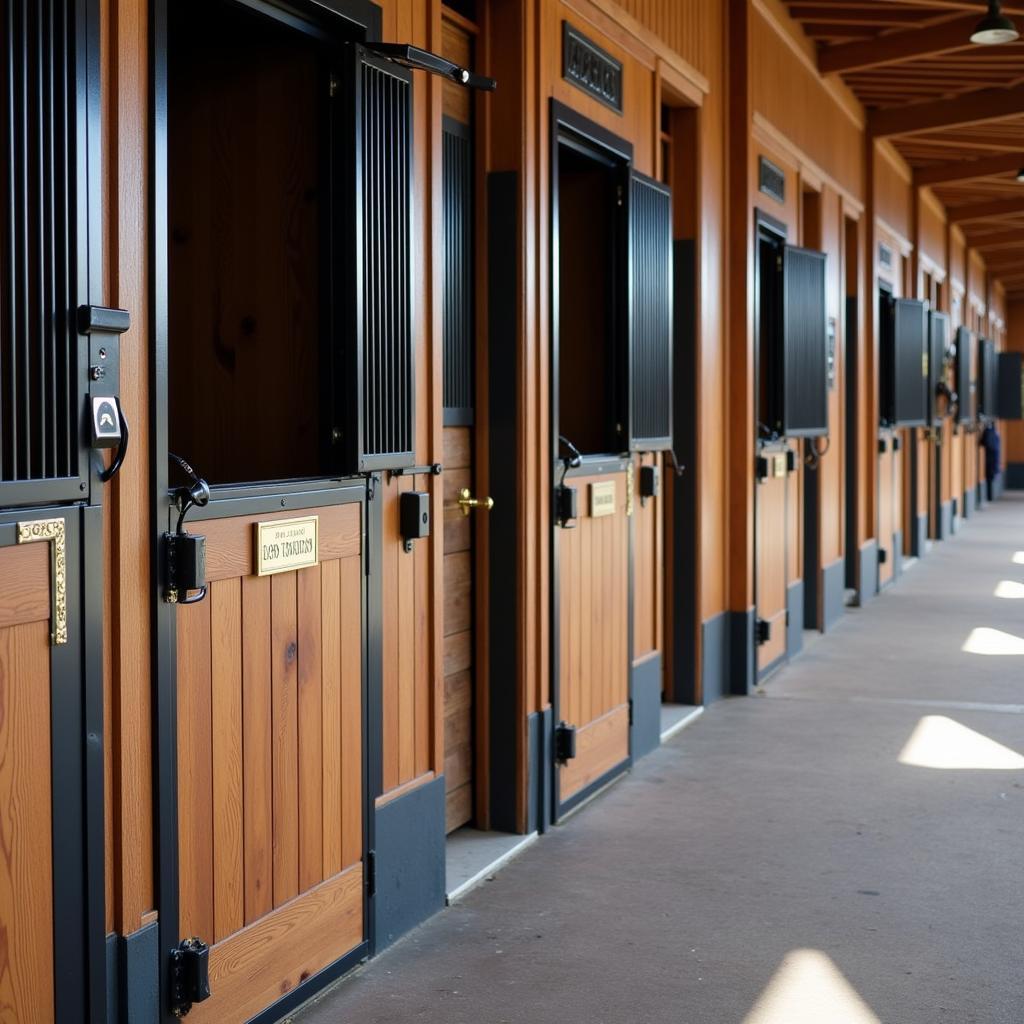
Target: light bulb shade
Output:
[(1020, 175), (994, 28)]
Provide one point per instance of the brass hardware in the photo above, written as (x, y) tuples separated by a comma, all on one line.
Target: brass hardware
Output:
[(467, 502), (630, 472), (52, 531)]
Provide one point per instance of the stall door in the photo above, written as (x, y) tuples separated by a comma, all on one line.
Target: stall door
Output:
[(890, 506), (593, 630), (270, 756), (771, 527)]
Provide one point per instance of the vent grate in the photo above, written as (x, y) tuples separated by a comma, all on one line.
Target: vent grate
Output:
[(38, 340), (388, 379), (459, 268), (651, 315), (772, 179)]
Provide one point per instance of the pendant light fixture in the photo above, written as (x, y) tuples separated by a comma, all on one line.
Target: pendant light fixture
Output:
[(995, 27)]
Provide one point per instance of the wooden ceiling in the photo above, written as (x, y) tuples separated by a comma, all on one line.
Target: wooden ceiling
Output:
[(954, 110)]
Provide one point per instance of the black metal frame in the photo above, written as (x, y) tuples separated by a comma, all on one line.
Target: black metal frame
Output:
[(569, 127), (335, 19)]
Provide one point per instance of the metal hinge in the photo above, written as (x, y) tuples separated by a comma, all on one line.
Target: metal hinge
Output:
[(371, 873), (565, 742), (190, 975), (762, 632), (618, 195), (630, 710)]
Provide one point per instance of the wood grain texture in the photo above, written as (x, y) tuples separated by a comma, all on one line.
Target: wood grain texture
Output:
[(270, 958), (600, 746), (310, 728), (26, 869), (284, 647), (25, 591)]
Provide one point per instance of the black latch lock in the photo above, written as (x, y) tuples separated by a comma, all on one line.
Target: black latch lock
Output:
[(565, 743), (567, 506), (414, 516), (762, 632), (186, 563), (190, 975), (650, 482)]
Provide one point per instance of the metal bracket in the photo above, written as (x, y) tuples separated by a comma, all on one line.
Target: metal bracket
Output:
[(417, 59), (53, 532), (190, 975), (434, 469)]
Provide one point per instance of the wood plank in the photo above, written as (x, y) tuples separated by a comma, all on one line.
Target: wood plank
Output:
[(391, 632), (225, 599), (195, 771), (458, 653), (257, 758), (601, 745), (229, 542), (25, 590), (331, 714), (458, 592), (406, 626), (26, 871), (310, 734), (270, 958), (458, 448), (458, 527), (284, 695), (458, 807), (351, 582)]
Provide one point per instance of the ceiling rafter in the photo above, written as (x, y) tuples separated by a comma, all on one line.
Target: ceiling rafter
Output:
[(894, 47), (968, 170), (1001, 240), (966, 108), (985, 211)]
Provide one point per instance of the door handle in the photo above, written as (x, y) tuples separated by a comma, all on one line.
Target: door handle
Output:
[(467, 502)]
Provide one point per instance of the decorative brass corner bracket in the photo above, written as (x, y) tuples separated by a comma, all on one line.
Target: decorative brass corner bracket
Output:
[(52, 531)]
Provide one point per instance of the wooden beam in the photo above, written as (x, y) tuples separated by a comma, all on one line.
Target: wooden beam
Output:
[(967, 170), (967, 108), (982, 211), (894, 47), (1000, 240)]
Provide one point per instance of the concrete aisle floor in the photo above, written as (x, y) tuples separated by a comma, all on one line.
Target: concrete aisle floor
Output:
[(776, 863)]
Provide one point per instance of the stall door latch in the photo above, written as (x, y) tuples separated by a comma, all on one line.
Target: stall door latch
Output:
[(565, 743), (190, 975)]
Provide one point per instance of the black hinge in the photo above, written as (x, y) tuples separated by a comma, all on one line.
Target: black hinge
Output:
[(630, 710), (371, 873), (762, 632), (190, 975)]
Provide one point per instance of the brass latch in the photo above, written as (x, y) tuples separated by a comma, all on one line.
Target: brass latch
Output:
[(467, 502)]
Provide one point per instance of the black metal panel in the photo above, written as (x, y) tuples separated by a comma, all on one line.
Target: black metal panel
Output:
[(987, 377), (904, 361), (964, 384), (383, 196), (801, 373), (650, 315), (459, 273), (1010, 386), (938, 336), (43, 249)]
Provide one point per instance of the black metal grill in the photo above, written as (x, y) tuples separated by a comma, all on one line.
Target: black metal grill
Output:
[(38, 339), (458, 268), (804, 344), (987, 377), (965, 395), (938, 327), (904, 362), (388, 375), (651, 315)]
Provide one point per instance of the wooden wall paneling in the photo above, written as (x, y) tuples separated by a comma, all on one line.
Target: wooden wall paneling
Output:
[(886, 501), (26, 869), (351, 582), (127, 591), (310, 727), (225, 598), (330, 719), (772, 557)]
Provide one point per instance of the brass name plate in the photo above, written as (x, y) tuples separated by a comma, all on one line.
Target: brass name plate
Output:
[(780, 464), (287, 544), (602, 499)]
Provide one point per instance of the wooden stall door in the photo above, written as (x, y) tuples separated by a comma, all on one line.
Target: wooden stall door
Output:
[(593, 634), (270, 763), (648, 569), (886, 506), (770, 540), (461, 420)]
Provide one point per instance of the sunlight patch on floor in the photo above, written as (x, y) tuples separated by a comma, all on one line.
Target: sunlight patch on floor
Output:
[(809, 989), (940, 742), (984, 640), (1018, 558), (1010, 589)]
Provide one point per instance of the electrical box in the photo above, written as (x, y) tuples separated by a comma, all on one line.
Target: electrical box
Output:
[(650, 481), (414, 516), (567, 506)]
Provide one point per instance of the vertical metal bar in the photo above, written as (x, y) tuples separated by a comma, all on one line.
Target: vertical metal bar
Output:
[(39, 362), (24, 256)]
